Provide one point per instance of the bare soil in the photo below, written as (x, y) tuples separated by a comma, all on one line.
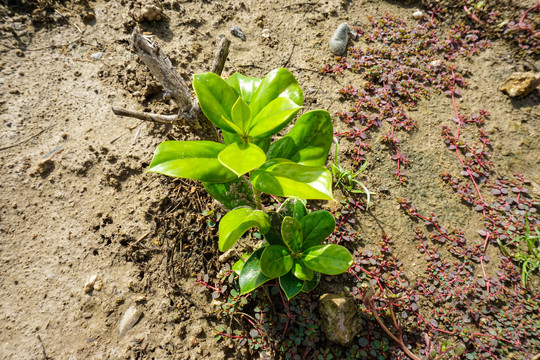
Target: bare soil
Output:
[(77, 199)]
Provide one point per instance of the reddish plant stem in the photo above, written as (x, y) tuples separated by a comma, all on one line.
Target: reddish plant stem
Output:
[(399, 341), (534, 8)]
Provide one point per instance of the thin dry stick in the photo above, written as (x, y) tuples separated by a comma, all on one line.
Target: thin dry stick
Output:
[(67, 20), (26, 140), (43, 353), (290, 56), (221, 56), (162, 119), (175, 86), (140, 239)]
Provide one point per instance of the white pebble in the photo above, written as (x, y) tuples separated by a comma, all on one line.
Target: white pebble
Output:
[(129, 320), (418, 15), (97, 55), (89, 285)]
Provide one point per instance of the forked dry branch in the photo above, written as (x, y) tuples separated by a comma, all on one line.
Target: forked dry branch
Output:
[(150, 52)]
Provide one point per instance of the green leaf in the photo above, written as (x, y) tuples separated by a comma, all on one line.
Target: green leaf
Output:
[(242, 158), (295, 208), (241, 115), (277, 83), (239, 265), (216, 99), (232, 194), (328, 259), (309, 285), (197, 160), (291, 232), (236, 222), (308, 142), (301, 271), (251, 276), (276, 261), (281, 177), (316, 226), (243, 85), (229, 138), (274, 117), (291, 285), (273, 236)]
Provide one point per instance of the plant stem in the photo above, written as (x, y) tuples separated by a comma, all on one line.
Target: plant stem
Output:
[(258, 203), (370, 306)]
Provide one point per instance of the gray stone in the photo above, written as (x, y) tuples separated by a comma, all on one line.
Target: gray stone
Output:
[(339, 317), (237, 32), (340, 38)]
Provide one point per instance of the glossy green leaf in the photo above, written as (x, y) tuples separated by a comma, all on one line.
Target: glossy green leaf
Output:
[(309, 285), (216, 99), (316, 226), (291, 285), (243, 85), (301, 271), (295, 208), (236, 222), (274, 117), (276, 261), (242, 158), (239, 265), (232, 194), (229, 138), (328, 259), (291, 232), (241, 115), (277, 83), (281, 177), (251, 276), (197, 160), (273, 236), (308, 142)]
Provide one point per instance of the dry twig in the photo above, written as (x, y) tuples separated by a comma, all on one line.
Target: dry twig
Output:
[(175, 86)]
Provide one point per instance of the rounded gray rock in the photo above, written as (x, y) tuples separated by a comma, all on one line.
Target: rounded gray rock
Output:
[(340, 38)]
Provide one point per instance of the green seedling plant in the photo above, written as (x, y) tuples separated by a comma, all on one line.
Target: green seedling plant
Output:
[(347, 178), (530, 260), (250, 111)]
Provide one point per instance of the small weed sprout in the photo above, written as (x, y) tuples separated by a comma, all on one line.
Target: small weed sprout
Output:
[(347, 178), (529, 261)]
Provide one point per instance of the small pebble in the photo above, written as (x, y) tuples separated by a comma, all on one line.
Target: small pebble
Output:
[(265, 33), (98, 285), (97, 55), (435, 63), (237, 32), (43, 168), (19, 53), (89, 285), (131, 316), (418, 15)]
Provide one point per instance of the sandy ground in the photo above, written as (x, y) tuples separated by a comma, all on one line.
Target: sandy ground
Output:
[(76, 197)]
